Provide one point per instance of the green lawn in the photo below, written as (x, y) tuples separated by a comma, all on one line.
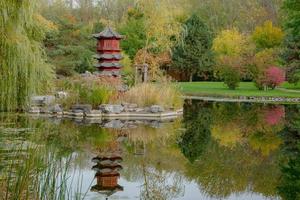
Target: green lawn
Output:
[(245, 89)]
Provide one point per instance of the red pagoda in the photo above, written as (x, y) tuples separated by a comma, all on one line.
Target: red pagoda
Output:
[(107, 174), (108, 52)]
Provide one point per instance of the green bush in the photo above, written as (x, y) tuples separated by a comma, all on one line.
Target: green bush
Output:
[(84, 92), (231, 77), (97, 95)]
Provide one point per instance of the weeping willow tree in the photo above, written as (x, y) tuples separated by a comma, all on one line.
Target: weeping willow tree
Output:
[(23, 70)]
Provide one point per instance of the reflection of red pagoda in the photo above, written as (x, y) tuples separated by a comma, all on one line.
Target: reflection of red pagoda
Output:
[(107, 174), (108, 52)]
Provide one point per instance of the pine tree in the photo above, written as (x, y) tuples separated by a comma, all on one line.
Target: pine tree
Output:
[(193, 53)]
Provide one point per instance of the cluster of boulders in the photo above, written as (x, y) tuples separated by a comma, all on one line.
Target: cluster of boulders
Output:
[(47, 105)]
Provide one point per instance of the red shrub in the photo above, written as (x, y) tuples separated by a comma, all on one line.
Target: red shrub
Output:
[(274, 76), (274, 115)]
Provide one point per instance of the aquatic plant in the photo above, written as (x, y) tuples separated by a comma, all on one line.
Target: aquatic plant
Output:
[(40, 174)]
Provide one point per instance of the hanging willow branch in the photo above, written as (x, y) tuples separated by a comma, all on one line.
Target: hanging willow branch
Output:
[(23, 71)]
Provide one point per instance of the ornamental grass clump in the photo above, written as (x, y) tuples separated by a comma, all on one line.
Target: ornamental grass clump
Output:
[(148, 94), (85, 91)]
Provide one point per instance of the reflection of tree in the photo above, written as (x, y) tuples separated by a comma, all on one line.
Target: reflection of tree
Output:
[(253, 124), (222, 171), (264, 143), (242, 155), (194, 140), (160, 176), (227, 135), (289, 187), (68, 137), (160, 185)]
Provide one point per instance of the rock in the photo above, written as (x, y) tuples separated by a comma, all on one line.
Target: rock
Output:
[(129, 107), (44, 110), (86, 108), (34, 109), (94, 113), (122, 88), (37, 100), (61, 94), (156, 109), (140, 110), (155, 124), (86, 74), (108, 108), (113, 124), (56, 109), (42, 100), (48, 100), (77, 111)]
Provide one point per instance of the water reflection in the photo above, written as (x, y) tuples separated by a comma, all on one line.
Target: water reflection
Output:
[(239, 147), (218, 151), (108, 167)]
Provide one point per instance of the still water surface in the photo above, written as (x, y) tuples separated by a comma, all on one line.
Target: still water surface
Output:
[(215, 151)]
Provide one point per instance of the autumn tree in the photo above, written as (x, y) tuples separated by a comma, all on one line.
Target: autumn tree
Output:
[(260, 62), (162, 29), (193, 54), (244, 15), (267, 36), (229, 47), (274, 76)]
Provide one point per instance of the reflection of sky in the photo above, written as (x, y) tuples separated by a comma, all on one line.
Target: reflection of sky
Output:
[(85, 177)]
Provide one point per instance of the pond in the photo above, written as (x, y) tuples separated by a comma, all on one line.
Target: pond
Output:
[(215, 151)]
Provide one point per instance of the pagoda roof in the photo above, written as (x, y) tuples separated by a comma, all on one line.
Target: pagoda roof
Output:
[(108, 33), (108, 191), (108, 56), (108, 64)]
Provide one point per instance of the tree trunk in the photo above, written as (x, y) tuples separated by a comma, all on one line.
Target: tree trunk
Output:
[(191, 77)]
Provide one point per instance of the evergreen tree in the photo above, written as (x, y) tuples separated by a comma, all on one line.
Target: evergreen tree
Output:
[(193, 53), (71, 47), (291, 54), (134, 30)]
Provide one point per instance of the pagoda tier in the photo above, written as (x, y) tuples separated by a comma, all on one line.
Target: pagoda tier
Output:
[(108, 52), (107, 173)]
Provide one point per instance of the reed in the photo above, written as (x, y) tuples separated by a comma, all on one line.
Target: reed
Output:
[(39, 175), (148, 94)]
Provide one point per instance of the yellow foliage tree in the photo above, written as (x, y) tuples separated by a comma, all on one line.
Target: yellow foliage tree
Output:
[(267, 35), (161, 24), (229, 43)]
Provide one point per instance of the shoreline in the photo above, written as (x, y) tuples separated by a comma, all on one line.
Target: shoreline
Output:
[(249, 99), (121, 116)]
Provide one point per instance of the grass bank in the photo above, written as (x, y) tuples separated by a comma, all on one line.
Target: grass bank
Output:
[(219, 89)]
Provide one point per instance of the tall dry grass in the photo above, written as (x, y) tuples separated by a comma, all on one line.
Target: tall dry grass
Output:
[(147, 94)]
